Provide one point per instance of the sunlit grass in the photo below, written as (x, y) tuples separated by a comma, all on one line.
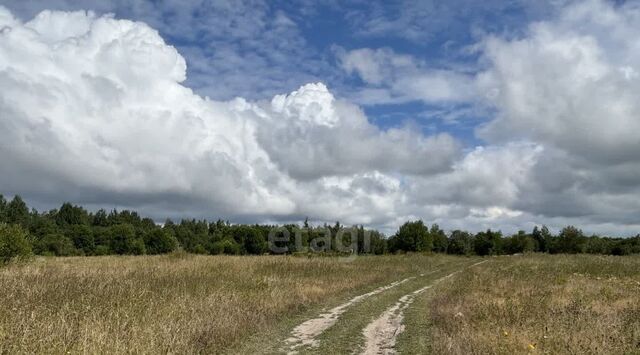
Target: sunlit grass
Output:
[(178, 304), (535, 304)]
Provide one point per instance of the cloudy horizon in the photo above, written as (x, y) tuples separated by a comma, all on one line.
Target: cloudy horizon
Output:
[(505, 116)]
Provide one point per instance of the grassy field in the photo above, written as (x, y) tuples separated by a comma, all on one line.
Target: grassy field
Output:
[(224, 304), (532, 304), (179, 304)]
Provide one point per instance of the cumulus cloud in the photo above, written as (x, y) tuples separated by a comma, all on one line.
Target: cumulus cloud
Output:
[(93, 108), (571, 84), (310, 134), (247, 48), (396, 78)]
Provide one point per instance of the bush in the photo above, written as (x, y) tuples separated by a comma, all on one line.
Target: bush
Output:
[(13, 243), (138, 247), (82, 238), (225, 246), (412, 236), (160, 241), (570, 241), (125, 241), (488, 243), (102, 250), (56, 244), (460, 243)]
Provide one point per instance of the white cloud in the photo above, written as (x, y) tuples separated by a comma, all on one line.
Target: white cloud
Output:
[(423, 21), (569, 85), (93, 109), (247, 48), (396, 78)]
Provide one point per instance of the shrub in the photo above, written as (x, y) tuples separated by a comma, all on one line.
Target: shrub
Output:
[(460, 243), (570, 241), (412, 236), (102, 250), (138, 247), (13, 243), (488, 243), (82, 238), (56, 244), (125, 241), (225, 246), (160, 241)]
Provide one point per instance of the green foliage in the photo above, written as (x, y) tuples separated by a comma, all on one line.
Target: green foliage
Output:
[(249, 238), (125, 241), (225, 246), (519, 243), (71, 230), (71, 215), (14, 243), (159, 241), (56, 244), (99, 219), (17, 212), (3, 209), (82, 237), (137, 247), (412, 236), (541, 237), (460, 243), (488, 243), (569, 241), (103, 250), (440, 240), (192, 235)]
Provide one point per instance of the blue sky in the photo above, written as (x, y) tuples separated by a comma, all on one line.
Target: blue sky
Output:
[(256, 49)]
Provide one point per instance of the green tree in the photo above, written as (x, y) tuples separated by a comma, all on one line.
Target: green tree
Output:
[(226, 246), (412, 236), (14, 243), (56, 244), (488, 243), (570, 241), (3, 209), (82, 237), (439, 238), (124, 241), (71, 215), (159, 241), (43, 225), (17, 212), (250, 239), (598, 245), (99, 219), (519, 243), (541, 240), (460, 243)]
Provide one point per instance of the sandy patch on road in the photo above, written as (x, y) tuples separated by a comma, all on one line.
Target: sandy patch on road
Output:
[(381, 334), (306, 333)]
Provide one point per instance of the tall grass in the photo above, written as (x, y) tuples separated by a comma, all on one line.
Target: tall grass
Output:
[(173, 303), (540, 304)]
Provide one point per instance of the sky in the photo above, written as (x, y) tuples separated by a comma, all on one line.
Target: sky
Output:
[(472, 115)]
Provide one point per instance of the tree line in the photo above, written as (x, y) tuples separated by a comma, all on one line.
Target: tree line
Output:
[(72, 230), (416, 236)]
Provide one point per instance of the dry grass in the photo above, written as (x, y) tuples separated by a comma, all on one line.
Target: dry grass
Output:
[(539, 304), (176, 304)]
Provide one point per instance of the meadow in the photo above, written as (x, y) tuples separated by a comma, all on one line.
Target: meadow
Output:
[(177, 303), (183, 303), (546, 304)]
